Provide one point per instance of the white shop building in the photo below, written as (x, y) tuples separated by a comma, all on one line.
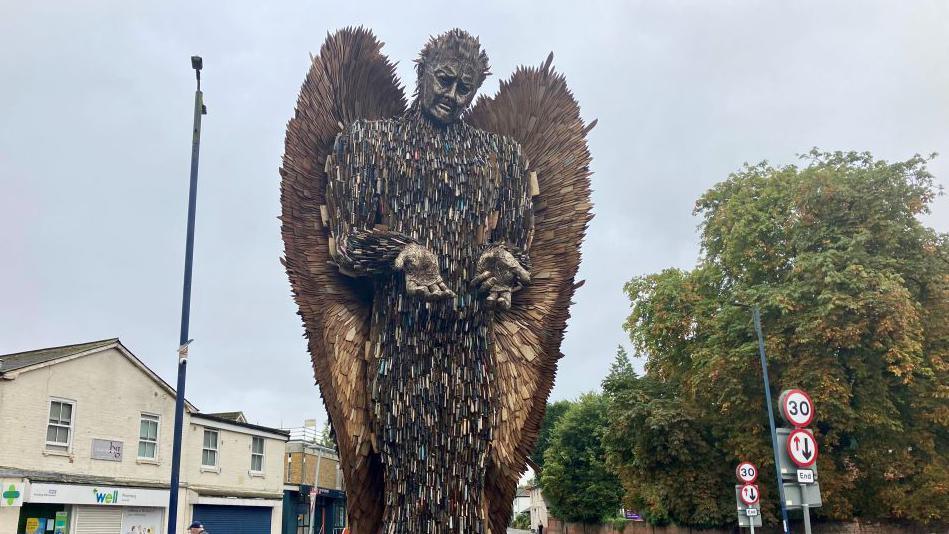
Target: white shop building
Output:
[(88, 508), (86, 444)]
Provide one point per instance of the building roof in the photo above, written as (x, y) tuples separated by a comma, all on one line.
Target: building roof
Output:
[(24, 361), (237, 417), (259, 428), (13, 364), (69, 478), (19, 360)]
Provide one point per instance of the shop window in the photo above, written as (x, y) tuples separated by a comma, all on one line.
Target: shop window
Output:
[(148, 436), (59, 428), (257, 454), (303, 518), (209, 450)]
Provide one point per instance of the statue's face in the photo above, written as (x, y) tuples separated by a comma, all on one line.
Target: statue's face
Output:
[(446, 90)]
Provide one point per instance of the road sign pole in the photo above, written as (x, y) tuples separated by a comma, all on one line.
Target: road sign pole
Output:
[(774, 435), (806, 509)]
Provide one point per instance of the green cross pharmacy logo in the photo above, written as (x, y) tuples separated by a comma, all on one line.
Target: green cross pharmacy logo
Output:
[(11, 495)]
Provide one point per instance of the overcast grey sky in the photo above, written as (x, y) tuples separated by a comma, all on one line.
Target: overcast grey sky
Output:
[(95, 143)]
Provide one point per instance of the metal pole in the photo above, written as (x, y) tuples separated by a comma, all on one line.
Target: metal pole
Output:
[(751, 524), (806, 509), (774, 435), (199, 110)]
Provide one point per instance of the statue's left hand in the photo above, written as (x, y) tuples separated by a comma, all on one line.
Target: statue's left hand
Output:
[(500, 275), (422, 278)]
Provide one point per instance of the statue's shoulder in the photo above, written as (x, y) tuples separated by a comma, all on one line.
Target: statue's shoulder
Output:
[(502, 144), (369, 127), (349, 139)]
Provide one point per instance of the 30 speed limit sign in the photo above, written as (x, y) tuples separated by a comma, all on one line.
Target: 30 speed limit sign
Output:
[(796, 407), (749, 494), (746, 472)]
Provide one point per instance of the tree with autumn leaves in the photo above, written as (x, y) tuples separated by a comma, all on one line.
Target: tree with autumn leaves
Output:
[(854, 296)]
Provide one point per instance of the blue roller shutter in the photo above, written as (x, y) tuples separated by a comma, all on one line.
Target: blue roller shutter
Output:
[(218, 519)]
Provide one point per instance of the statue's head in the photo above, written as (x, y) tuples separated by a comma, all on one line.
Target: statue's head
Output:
[(450, 69)]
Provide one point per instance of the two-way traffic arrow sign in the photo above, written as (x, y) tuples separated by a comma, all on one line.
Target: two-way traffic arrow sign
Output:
[(749, 494), (802, 447)]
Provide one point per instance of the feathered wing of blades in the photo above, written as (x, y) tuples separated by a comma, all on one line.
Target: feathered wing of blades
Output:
[(536, 108), (350, 79)]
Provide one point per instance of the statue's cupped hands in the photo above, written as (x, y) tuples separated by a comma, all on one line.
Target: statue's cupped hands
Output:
[(500, 275), (422, 278)]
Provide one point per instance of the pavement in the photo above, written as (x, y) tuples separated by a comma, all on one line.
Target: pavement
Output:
[(515, 531)]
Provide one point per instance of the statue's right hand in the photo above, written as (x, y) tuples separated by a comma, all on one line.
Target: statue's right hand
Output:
[(422, 278)]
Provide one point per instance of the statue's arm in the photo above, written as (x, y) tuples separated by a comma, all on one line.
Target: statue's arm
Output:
[(504, 265), (364, 246), (515, 224)]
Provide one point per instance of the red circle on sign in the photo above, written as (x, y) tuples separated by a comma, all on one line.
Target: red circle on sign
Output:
[(784, 407), (802, 447), (746, 472), (749, 494)]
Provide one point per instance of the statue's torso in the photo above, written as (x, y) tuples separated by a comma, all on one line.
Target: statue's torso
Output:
[(439, 186), (431, 385)]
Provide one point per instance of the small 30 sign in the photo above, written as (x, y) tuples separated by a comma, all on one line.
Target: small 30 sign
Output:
[(796, 407), (746, 472), (749, 494)]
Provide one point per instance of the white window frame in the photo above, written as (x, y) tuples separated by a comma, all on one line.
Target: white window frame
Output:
[(70, 429), (157, 420), (253, 454), (216, 449)]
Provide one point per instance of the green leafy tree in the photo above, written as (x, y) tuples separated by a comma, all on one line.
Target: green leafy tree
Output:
[(659, 444), (854, 294), (522, 521), (327, 438), (621, 375), (578, 485), (552, 414)]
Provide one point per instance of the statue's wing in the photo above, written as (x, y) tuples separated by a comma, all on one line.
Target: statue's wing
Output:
[(536, 109), (349, 80)]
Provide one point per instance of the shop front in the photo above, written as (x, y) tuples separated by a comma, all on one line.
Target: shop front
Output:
[(329, 510), (235, 515), (81, 509), (309, 510)]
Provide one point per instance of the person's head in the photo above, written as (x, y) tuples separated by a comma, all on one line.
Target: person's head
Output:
[(450, 68), (195, 528)]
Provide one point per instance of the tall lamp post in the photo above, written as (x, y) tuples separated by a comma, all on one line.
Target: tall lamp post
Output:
[(184, 341), (756, 315)]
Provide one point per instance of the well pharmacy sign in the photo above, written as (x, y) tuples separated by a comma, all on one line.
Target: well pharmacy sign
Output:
[(98, 495)]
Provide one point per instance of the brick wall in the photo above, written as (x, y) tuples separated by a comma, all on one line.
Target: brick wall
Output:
[(327, 475), (302, 466), (300, 471)]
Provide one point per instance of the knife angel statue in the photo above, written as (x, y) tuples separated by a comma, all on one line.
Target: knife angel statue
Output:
[(432, 249)]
